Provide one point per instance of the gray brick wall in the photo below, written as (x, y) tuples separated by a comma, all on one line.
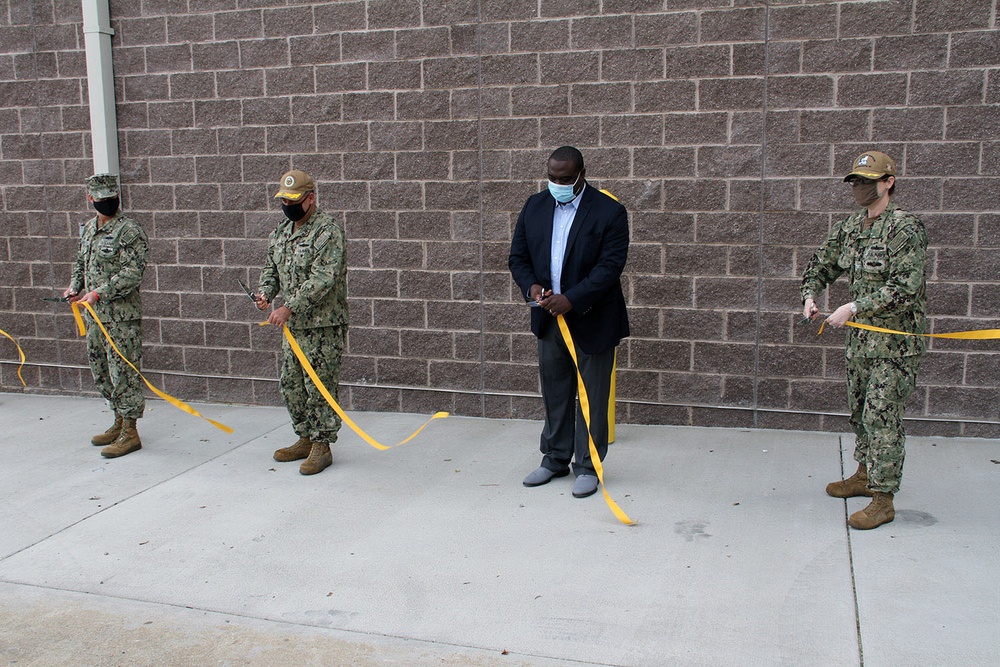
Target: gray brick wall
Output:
[(723, 125)]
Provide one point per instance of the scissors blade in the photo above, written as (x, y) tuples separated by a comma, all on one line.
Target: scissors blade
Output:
[(251, 295), (54, 299)]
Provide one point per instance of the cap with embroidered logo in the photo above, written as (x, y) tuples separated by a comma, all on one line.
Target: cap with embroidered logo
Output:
[(102, 186), (872, 164), (295, 184)]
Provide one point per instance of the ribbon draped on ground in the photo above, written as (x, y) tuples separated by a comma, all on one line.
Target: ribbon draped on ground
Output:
[(311, 372), (20, 352), (177, 403), (585, 408), (975, 334)]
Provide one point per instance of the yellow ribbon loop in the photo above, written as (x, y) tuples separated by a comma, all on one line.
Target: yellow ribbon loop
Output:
[(311, 372), (177, 403), (975, 334), (585, 408), (20, 352)]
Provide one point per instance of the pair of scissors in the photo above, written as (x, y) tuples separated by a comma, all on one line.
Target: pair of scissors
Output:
[(253, 296), (55, 299)]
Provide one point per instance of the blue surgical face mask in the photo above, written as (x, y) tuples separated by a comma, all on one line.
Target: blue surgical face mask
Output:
[(563, 193)]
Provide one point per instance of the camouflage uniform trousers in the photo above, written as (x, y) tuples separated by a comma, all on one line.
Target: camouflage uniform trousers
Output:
[(118, 383), (312, 416), (877, 389)]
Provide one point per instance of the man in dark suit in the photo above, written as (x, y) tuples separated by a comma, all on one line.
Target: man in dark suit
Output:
[(567, 256)]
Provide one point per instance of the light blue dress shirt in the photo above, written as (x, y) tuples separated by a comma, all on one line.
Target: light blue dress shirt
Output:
[(562, 222)]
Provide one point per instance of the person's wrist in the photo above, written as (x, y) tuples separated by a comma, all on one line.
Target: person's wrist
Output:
[(854, 308)]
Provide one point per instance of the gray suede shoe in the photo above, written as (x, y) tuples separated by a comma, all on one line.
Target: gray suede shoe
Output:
[(585, 485), (542, 476)]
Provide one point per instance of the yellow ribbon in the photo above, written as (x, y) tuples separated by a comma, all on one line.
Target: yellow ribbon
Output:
[(177, 403), (311, 372), (976, 334), (585, 408), (20, 352)]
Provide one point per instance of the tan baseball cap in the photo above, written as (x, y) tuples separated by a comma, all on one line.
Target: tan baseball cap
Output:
[(873, 164), (295, 184)]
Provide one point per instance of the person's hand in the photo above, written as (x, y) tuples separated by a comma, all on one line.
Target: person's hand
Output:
[(261, 302), (809, 310), (839, 317), (279, 316), (536, 292), (70, 294), (556, 304), (88, 297)]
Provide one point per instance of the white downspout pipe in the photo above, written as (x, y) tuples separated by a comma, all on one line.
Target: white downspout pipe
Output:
[(97, 34)]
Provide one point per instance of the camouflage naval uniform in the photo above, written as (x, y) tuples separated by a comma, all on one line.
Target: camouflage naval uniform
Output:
[(885, 267), (111, 262), (309, 268)]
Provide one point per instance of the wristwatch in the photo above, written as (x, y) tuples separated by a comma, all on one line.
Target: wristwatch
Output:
[(854, 308)]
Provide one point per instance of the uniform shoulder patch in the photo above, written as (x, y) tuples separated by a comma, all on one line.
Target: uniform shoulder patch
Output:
[(899, 240), (129, 235), (323, 238)]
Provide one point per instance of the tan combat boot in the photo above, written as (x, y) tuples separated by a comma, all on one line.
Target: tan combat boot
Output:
[(879, 511), (110, 435), (126, 442), (299, 450), (319, 459), (852, 487)]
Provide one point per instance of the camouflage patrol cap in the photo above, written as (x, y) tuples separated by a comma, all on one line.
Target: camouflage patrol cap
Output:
[(102, 186), (872, 164), (295, 184)]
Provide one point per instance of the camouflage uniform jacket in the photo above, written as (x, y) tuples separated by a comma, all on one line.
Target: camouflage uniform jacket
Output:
[(309, 269), (111, 262), (885, 267)]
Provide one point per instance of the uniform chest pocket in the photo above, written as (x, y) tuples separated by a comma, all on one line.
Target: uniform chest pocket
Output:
[(302, 251), (875, 259), (107, 250)]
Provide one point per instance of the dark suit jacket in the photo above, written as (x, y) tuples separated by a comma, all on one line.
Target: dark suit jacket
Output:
[(591, 276)]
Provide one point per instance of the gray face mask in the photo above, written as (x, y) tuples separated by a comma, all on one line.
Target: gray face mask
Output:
[(865, 194)]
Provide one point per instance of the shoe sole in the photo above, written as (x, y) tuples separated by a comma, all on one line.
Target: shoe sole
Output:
[(554, 475), (289, 460), (584, 495), (853, 495), (116, 455), (316, 472)]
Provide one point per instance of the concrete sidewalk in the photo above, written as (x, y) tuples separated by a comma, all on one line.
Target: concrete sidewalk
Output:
[(201, 550)]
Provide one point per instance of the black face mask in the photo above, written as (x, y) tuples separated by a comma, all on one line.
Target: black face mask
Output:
[(293, 212), (107, 207)]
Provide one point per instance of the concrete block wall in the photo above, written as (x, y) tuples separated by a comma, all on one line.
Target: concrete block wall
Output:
[(724, 126)]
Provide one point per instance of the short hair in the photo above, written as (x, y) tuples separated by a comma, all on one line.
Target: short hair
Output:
[(568, 154)]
